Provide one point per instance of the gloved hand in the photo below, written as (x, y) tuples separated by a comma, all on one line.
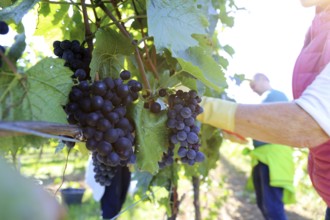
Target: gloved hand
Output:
[(218, 113)]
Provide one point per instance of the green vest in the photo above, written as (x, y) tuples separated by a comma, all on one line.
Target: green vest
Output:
[(279, 159)]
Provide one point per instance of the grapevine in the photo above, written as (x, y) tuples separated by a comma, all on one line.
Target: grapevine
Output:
[(121, 94)]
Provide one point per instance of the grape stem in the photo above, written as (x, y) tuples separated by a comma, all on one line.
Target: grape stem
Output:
[(9, 63), (137, 54), (42, 129)]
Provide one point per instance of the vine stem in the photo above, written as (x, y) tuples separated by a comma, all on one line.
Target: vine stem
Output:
[(42, 129), (137, 54), (64, 170), (196, 186), (9, 63), (88, 33)]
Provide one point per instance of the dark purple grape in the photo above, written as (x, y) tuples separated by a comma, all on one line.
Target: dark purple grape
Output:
[(91, 144), (99, 88), (118, 82), (103, 124), (92, 119), (185, 112), (104, 148), (113, 117), (174, 139), (80, 74), (111, 135), (192, 138), (200, 157), (162, 92), (181, 136), (85, 105), (113, 158), (191, 154), (136, 87), (68, 55), (179, 125), (125, 75), (171, 123), (124, 124), (66, 44), (97, 102), (88, 132), (155, 107), (122, 91), (182, 152), (169, 161), (195, 129), (98, 135), (56, 44), (121, 111), (116, 100), (71, 119), (193, 94), (75, 95), (171, 113), (123, 143), (71, 107), (107, 107), (84, 86), (58, 51), (189, 121)]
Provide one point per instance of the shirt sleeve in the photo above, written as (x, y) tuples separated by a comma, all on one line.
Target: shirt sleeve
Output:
[(315, 100)]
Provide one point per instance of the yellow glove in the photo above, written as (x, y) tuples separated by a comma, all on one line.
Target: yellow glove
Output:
[(218, 113)]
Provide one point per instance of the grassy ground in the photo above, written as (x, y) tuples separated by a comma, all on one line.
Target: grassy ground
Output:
[(48, 167)]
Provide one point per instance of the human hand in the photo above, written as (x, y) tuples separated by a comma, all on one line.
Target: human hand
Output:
[(218, 113)]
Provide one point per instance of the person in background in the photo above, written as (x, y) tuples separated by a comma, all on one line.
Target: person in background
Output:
[(303, 122), (272, 181), (111, 197)]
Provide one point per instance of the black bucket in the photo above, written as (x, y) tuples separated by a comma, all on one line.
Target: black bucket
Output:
[(72, 196)]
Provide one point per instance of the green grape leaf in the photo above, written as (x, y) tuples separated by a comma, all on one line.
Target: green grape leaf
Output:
[(17, 11), (5, 3), (109, 48), (143, 180), (202, 66), (51, 18), (37, 96), (49, 84), (152, 137), (172, 24)]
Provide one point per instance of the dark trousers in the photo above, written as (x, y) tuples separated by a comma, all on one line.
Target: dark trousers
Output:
[(115, 194), (269, 198), (327, 214)]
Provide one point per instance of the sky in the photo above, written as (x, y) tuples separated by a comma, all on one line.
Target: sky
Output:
[(267, 37)]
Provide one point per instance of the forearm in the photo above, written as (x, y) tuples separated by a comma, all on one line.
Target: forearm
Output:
[(282, 123)]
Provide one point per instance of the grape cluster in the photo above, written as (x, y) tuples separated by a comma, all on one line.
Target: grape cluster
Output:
[(76, 57), (4, 29), (183, 110), (100, 109)]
